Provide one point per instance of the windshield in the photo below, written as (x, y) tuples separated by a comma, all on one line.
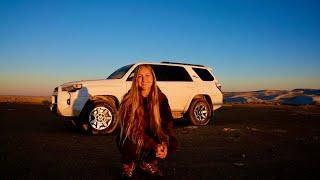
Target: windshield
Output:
[(118, 74)]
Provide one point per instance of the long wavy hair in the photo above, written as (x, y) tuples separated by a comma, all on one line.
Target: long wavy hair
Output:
[(131, 112)]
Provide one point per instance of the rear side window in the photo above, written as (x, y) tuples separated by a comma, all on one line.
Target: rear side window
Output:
[(170, 73), (204, 74)]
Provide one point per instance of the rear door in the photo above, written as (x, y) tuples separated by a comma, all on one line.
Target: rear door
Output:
[(176, 83)]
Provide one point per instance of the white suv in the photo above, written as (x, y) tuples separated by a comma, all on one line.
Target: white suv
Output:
[(192, 90)]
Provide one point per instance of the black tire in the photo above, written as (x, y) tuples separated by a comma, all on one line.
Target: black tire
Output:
[(70, 124), (199, 112), (99, 117)]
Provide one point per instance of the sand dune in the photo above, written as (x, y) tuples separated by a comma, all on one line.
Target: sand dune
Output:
[(293, 97)]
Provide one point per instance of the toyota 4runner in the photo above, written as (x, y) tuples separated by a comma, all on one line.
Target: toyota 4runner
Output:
[(192, 90)]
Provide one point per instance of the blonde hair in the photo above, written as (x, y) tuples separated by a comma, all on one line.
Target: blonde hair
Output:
[(131, 112)]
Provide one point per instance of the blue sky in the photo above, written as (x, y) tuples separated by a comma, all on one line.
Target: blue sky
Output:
[(251, 45)]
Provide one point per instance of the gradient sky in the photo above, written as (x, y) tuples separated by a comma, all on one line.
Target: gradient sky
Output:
[(251, 45)]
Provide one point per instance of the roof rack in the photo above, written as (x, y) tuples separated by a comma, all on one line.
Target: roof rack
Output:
[(182, 63)]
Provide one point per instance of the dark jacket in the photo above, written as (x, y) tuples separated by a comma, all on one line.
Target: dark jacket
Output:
[(150, 140)]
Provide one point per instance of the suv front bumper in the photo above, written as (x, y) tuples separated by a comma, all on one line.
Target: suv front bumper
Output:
[(53, 108)]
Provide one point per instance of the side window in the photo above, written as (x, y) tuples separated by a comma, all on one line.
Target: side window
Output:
[(204, 74), (158, 70), (131, 75), (167, 73), (171, 73), (178, 73)]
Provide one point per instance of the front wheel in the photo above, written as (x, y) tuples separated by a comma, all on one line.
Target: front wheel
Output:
[(100, 118), (199, 112)]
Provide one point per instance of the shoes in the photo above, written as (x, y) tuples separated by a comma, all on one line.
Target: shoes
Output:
[(151, 168), (127, 170)]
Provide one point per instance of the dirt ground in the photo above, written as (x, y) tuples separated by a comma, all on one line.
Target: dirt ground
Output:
[(241, 142)]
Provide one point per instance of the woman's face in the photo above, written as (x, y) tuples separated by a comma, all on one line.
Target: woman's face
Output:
[(145, 79)]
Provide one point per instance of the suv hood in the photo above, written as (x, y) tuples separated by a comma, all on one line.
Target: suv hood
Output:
[(93, 82)]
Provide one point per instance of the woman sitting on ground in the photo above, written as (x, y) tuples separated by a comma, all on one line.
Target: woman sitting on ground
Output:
[(146, 121)]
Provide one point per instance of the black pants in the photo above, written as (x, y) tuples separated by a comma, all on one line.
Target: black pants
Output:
[(129, 151)]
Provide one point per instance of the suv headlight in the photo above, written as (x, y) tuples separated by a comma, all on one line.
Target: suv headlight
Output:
[(72, 88)]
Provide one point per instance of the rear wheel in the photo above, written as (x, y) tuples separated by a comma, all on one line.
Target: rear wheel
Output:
[(199, 112), (100, 117)]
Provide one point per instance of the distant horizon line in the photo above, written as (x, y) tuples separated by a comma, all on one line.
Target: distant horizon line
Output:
[(222, 91)]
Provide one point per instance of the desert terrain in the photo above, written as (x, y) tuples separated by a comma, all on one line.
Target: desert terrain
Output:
[(242, 141), (276, 97)]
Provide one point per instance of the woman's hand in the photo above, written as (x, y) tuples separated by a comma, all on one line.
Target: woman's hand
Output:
[(162, 150)]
